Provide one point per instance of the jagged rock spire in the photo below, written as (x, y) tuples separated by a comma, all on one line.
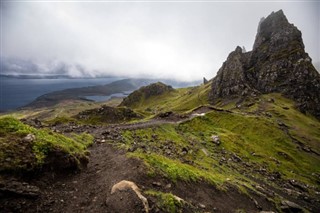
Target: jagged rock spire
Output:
[(277, 63)]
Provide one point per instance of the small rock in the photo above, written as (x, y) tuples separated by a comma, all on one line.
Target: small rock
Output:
[(271, 100), (269, 115), (168, 186), (158, 184), (29, 138), (216, 139), (288, 206), (236, 158), (202, 206)]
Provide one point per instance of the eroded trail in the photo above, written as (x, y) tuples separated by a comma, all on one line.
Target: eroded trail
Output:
[(86, 191)]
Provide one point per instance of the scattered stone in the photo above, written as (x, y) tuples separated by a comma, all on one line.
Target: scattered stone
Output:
[(306, 149), (29, 138), (16, 188), (236, 158), (184, 151), (288, 206), (157, 184), (168, 186), (271, 100), (202, 206), (298, 185), (269, 115), (216, 139)]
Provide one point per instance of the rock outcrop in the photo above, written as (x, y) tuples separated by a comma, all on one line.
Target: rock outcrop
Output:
[(107, 114), (146, 92), (277, 63)]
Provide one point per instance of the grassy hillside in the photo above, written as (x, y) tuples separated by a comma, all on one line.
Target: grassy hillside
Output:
[(24, 148), (262, 146), (262, 141), (178, 100)]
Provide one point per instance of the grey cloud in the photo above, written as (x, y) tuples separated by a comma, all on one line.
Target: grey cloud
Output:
[(181, 40)]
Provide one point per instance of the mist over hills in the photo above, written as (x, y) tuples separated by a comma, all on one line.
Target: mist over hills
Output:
[(248, 140)]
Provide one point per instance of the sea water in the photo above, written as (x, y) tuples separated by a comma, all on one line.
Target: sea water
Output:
[(15, 92)]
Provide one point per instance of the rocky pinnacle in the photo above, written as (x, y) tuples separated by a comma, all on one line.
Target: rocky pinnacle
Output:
[(277, 63)]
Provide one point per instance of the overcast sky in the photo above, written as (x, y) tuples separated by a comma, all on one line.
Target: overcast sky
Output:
[(182, 40)]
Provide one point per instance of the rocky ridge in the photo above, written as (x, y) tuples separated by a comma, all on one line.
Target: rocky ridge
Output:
[(277, 63)]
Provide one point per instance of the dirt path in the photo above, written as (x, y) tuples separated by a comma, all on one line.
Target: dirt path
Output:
[(86, 191), (90, 190)]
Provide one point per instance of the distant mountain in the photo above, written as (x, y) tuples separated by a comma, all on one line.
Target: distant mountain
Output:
[(277, 63), (24, 76), (120, 86), (56, 97)]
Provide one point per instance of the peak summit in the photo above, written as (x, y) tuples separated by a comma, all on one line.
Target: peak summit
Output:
[(277, 63), (275, 26)]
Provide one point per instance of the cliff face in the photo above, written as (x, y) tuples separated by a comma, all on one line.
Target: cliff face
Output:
[(277, 63)]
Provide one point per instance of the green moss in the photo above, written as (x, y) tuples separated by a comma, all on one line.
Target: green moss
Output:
[(166, 202), (16, 153), (245, 134), (175, 170)]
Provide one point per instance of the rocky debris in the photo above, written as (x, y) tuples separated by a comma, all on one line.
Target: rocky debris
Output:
[(18, 189), (171, 116), (271, 100), (108, 114), (298, 185), (128, 185), (157, 184), (146, 92), (72, 127), (277, 63), (216, 139), (165, 114), (34, 122), (202, 206), (29, 138), (113, 134), (290, 207), (236, 158)]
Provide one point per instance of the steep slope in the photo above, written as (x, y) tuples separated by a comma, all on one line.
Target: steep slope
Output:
[(277, 63)]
